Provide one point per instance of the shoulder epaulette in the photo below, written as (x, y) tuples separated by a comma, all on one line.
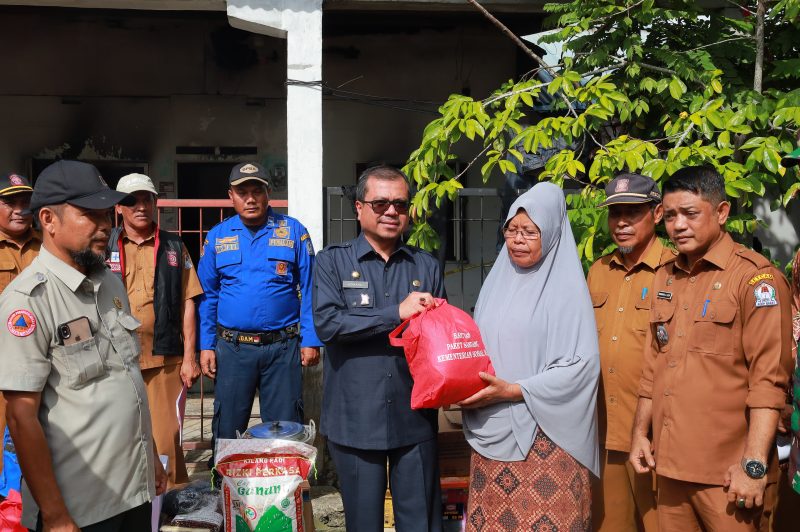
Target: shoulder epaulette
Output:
[(759, 260), (26, 284), (338, 245)]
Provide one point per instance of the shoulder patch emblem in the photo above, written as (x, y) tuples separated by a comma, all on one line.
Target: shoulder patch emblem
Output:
[(760, 277), (764, 294), (187, 262), (281, 267), (21, 323), (172, 257), (305, 237)]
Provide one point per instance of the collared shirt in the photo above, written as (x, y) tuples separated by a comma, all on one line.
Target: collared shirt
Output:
[(15, 257), (367, 384), (140, 273), (719, 342), (257, 282), (94, 409), (621, 299)]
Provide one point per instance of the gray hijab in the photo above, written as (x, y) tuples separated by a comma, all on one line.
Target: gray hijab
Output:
[(539, 330)]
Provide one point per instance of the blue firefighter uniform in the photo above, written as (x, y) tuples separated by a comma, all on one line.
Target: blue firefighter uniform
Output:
[(366, 406), (256, 313)]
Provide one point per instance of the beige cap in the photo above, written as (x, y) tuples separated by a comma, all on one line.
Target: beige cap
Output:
[(135, 182)]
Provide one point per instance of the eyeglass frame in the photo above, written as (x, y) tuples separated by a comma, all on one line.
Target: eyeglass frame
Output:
[(400, 206), (535, 235)]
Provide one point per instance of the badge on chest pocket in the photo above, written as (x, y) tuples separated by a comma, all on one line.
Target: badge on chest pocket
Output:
[(359, 298)]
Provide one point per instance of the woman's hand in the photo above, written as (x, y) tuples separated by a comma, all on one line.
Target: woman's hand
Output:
[(497, 391)]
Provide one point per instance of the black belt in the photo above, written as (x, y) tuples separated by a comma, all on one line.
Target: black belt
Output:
[(257, 338)]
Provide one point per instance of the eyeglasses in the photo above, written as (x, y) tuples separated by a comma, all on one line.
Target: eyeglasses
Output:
[(381, 206), (527, 235)]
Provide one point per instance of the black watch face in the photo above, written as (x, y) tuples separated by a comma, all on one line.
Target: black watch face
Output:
[(755, 469)]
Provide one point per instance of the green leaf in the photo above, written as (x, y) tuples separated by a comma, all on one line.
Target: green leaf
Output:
[(676, 88)]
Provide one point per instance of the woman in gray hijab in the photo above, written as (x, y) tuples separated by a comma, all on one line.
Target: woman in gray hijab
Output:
[(533, 429)]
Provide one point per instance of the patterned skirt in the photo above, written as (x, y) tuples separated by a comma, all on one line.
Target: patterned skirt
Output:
[(547, 492)]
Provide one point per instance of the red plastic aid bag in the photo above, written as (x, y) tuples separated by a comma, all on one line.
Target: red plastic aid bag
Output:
[(11, 513), (445, 352)]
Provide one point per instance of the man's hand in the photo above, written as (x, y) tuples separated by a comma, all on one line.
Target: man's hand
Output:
[(785, 421), (742, 487), (161, 476), (415, 303), (497, 391), (189, 371), (309, 356), (208, 363), (62, 523), (641, 457)]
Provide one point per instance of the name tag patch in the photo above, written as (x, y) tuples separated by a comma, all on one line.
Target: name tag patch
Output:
[(664, 295), (765, 295), (281, 242), (229, 243), (355, 284)]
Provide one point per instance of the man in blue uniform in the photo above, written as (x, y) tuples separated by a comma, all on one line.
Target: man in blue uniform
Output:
[(363, 289), (256, 326)]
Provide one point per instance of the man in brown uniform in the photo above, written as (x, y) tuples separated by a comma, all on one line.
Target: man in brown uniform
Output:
[(717, 362), (19, 243), (161, 282), (621, 285)]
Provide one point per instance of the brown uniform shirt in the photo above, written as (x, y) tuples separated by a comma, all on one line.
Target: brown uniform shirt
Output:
[(621, 300), (14, 258), (140, 273), (720, 345)]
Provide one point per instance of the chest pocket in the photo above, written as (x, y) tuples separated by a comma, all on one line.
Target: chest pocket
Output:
[(661, 314), (641, 319), (7, 271), (82, 362), (128, 342), (229, 257), (598, 302), (280, 263), (713, 333), (359, 297)]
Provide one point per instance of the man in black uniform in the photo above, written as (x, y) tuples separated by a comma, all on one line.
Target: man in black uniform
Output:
[(363, 289)]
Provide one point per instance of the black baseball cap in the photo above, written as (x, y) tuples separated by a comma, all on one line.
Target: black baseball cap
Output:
[(12, 183), (248, 172), (631, 188), (792, 159), (78, 184)]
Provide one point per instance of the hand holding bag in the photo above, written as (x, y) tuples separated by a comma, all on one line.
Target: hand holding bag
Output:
[(445, 353)]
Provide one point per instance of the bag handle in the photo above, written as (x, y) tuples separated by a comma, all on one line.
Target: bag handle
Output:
[(394, 337)]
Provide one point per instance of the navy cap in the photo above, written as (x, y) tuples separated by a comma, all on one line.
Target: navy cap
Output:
[(248, 172), (631, 188), (14, 184), (76, 183)]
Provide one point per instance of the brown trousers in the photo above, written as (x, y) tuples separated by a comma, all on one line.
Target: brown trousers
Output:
[(622, 500), (689, 507), (163, 386)]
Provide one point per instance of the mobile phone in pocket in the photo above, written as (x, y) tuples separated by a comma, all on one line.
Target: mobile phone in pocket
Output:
[(74, 331)]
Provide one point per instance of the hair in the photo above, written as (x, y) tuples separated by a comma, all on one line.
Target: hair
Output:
[(385, 172), (704, 181)]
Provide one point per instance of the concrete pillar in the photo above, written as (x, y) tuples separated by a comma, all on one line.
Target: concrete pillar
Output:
[(300, 23)]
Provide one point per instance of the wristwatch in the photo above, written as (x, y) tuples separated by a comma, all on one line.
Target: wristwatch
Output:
[(754, 468)]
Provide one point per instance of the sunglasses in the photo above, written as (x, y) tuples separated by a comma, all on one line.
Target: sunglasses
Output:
[(381, 206)]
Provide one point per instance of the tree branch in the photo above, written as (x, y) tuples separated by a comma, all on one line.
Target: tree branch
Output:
[(758, 75)]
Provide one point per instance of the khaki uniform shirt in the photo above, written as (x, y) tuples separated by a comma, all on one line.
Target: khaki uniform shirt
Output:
[(720, 345), (622, 300), (140, 273), (14, 258), (94, 409)]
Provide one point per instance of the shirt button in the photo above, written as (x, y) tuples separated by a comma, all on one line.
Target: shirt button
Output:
[(620, 309), (612, 399), (666, 393), (680, 334), (692, 279), (672, 363), (389, 375), (685, 307), (628, 278), (611, 370), (389, 401), (613, 338), (386, 294), (666, 423)]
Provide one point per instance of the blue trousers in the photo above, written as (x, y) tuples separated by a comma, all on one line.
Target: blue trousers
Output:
[(274, 370), (413, 481)]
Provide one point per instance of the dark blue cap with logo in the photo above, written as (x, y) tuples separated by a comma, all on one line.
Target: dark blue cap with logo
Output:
[(79, 184), (631, 188)]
